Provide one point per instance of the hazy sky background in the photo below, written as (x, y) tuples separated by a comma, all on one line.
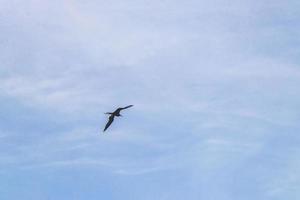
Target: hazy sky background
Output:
[(215, 86)]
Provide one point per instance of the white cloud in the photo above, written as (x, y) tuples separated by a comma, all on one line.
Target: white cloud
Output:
[(209, 90)]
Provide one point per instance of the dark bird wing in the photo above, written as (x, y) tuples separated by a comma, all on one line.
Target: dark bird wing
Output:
[(110, 120), (126, 107), (119, 109)]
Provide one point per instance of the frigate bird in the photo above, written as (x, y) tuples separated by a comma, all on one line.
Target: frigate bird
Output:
[(114, 114)]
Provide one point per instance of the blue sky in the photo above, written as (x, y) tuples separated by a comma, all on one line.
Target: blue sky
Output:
[(215, 86)]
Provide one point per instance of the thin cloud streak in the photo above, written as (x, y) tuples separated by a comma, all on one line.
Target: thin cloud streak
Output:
[(214, 86)]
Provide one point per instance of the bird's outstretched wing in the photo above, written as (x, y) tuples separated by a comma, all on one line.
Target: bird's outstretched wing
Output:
[(110, 120), (127, 107), (119, 109)]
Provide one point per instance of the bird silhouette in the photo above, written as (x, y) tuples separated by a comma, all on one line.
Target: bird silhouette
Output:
[(114, 114)]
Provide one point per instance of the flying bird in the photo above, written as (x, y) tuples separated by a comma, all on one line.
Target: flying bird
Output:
[(114, 114)]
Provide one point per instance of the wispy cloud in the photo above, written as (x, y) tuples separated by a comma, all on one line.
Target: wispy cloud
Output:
[(214, 84)]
